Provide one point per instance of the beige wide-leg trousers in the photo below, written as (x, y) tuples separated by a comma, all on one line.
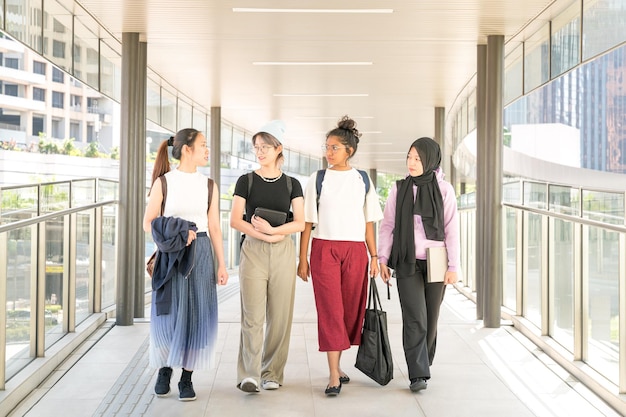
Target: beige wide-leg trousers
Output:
[(267, 279)]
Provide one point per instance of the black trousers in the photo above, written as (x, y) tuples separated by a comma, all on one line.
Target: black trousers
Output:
[(420, 303)]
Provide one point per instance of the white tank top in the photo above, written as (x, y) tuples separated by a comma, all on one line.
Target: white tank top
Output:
[(187, 197)]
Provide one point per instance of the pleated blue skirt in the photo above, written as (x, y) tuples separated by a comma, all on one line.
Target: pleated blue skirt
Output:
[(186, 336)]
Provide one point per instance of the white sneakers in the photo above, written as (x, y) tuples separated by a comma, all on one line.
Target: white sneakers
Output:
[(248, 385), (270, 385)]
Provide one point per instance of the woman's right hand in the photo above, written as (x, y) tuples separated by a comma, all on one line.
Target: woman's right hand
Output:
[(303, 270), (273, 238), (385, 274)]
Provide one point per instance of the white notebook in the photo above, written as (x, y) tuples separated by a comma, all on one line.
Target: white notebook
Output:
[(437, 263)]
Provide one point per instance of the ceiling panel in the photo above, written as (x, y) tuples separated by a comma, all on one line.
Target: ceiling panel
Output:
[(422, 55)]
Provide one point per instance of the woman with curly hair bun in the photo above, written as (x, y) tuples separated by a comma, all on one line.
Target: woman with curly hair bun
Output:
[(344, 214)]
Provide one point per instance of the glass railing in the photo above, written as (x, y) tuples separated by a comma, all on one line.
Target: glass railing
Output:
[(57, 263), (564, 268)]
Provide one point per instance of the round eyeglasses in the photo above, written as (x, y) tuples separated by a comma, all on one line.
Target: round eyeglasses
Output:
[(332, 148), (263, 149)]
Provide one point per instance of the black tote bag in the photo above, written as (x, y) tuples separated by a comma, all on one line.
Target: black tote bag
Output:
[(374, 355)]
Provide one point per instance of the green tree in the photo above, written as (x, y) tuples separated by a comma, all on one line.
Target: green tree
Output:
[(92, 150)]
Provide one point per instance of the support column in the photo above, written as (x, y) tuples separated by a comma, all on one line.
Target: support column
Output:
[(481, 177), (493, 181), (141, 86), (216, 144), (132, 191), (440, 128)]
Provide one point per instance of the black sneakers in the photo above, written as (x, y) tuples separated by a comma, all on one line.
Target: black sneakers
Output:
[(418, 384), (186, 391), (162, 386)]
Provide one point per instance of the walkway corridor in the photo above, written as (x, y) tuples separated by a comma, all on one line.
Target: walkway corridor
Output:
[(477, 372)]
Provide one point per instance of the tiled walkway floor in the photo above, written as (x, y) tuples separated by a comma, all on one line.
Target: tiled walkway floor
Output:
[(477, 372)]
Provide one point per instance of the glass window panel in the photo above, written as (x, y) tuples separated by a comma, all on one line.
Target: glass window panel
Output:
[(561, 280), (471, 111), (303, 167), (288, 166), (56, 277), (604, 26), (21, 276), (534, 250), (184, 114), (463, 120), (54, 197), (83, 192), (566, 39), (604, 207), (111, 70), (109, 248), (535, 194), (536, 59), (168, 110), (107, 190), (18, 204), (57, 33), (200, 123), (84, 264), (315, 164), (578, 119), (564, 200), (153, 98), (509, 282), (513, 74), (86, 54), (24, 22), (601, 273), (227, 140)]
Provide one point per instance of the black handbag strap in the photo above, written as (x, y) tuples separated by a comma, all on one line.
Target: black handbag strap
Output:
[(373, 302)]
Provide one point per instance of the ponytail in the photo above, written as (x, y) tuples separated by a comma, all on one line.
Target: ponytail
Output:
[(162, 161)]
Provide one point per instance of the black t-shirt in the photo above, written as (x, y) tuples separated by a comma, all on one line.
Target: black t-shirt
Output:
[(269, 195)]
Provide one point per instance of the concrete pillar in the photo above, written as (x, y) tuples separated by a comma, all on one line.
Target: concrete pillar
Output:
[(216, 144), (132, 192), (481, 176), (440, 128), (493, 190)]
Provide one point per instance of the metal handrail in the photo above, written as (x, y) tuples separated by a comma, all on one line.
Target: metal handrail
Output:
[(38, 219)]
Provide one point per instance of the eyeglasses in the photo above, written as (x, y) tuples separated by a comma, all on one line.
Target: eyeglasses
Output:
[(263, 149), (333, 148)]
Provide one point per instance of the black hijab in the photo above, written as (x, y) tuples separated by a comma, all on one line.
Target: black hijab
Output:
[(428, 204)]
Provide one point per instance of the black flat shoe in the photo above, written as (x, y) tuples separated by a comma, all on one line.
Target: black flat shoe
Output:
[(344, 379), (333, 391)]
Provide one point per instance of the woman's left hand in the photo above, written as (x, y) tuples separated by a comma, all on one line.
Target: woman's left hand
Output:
[(374, 267), (262, 225), (450, 278), (222, 275)]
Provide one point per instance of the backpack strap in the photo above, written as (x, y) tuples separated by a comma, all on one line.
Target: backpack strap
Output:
[(164, 191), (250, 177), (320, 178), (318, 184), (366, 180), (210, 183)]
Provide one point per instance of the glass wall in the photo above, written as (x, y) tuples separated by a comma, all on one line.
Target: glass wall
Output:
[(601, 300), (21, 277), (604, 25)]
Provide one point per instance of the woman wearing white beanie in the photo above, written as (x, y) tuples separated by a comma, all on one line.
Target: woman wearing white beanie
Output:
[(267, 269)]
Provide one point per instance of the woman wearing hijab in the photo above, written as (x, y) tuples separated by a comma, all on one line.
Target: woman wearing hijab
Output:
[(420, 213)]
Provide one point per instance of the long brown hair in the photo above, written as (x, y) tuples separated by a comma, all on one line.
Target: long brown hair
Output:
[(162, 162)]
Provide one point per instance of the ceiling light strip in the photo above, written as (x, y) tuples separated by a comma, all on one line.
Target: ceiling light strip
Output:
[(321, 95), (267, 10), (329, 63)]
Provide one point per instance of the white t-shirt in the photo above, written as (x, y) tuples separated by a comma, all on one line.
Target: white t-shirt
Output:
[(188, 197), (344, 209)]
